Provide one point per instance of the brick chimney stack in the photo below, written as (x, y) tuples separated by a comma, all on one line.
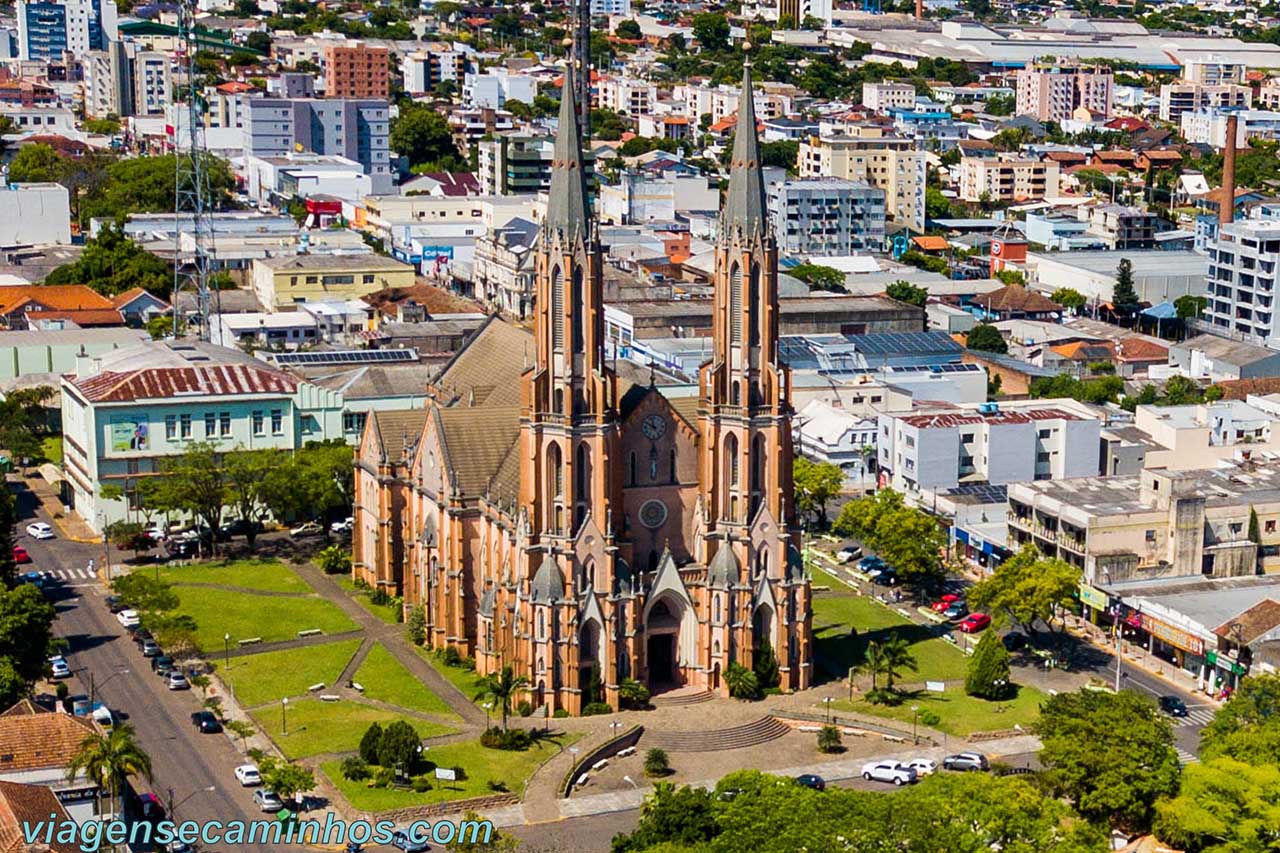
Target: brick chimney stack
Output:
[(1227, 207), (919, 10)]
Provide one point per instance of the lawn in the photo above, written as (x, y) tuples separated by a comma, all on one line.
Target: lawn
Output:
[(480, 764), (463, 679), (961, 715), (51, 449), (389, 613), (245, 615), (263, 575), (384, 678), (270, 676), (835, 613), (317, 727)]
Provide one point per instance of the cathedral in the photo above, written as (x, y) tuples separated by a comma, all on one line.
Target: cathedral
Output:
[(587, 529)]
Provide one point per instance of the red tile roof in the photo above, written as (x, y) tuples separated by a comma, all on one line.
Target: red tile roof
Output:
[(83, 319), (41, 741), (1014, 297), (29, 804), (931, 243), (1137, 348), (951, 419), (223, 380), (56, 297)]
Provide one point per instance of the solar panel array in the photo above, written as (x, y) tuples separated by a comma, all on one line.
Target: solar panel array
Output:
[(359, 356), (903, 343), (986, 492)]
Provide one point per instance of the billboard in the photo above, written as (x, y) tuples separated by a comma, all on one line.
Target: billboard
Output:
[(129, 433)]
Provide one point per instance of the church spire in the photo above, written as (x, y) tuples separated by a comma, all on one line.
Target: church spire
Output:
[(567, 210), (744, 207)]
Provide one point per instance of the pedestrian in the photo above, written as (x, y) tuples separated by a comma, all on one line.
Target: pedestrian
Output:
[(91, 565)]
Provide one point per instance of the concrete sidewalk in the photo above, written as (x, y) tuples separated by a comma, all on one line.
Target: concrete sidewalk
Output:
[(68, 522)]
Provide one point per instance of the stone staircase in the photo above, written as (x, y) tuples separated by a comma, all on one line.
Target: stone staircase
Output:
[(681, 698), (761, 731)]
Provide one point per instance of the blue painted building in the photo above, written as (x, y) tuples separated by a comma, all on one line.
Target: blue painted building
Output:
[(47, 29)]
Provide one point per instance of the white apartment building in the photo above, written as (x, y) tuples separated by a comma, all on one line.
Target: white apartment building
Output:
[(772, 100), (492, 89), (1214, 72), (1209, 127), (611, 7), (889, 163), (881, 97), (640, 197), (940, 448), (1269, 94), (152, 83), (827, 217), (1007, 178), (434, 63), (836, 436), (625, 95), (35, 214), (1241, 283), (1178, 99)]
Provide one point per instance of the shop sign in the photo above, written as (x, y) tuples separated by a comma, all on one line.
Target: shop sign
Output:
[(1172, 636), (1095, 598)]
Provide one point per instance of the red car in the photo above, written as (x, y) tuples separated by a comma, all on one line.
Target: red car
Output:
[(975, 622), (946, 601), (20, 554)]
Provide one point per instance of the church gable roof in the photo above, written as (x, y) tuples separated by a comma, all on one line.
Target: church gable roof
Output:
[(474, 443), (397, 431), (486, 371), (548, 583), (723, 571)]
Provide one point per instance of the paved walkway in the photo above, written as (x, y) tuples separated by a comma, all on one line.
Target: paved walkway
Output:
[(69, 523)]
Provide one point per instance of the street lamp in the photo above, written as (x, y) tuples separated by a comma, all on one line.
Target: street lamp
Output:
[(915, 719), (93, 687), (284, 719), (174, 806), (226, 651), (486, 706), (827, 701)]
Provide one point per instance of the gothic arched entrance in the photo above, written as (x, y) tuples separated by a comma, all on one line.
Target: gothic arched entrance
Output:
[(662, 649), (588, 661), (761, 631)]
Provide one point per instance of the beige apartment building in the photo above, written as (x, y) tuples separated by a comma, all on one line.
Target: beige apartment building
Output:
[(881, 97), (1055, 92), (283, 282), (1184, 438), (886, 162), (1179, 98), (1007, 178)]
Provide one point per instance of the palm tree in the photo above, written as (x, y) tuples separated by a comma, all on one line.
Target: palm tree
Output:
[(502, 688), (872, 662), (108, 759), (895, 656)]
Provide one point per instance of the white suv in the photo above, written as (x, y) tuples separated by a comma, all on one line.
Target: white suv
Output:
[(889, 771)]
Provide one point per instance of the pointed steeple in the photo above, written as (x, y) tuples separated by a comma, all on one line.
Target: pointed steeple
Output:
[(567, 210), (744, 206)]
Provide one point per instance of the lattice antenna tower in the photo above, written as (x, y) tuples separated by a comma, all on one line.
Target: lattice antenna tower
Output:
[(581, 59), (193, 197)]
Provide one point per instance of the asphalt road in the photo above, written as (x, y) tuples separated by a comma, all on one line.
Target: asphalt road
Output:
[(184, 762)]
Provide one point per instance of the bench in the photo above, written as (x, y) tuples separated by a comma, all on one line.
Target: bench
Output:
[(250, 641), (854, 732), (809, 728), (357, 687), (631, 750), (581, 783), (313, 688), (894, 738), (330, 697), (310, 632), (601, 764)]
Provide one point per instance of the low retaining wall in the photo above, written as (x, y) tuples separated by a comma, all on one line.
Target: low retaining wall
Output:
[(923, 734), (476, 804), (608, 749)]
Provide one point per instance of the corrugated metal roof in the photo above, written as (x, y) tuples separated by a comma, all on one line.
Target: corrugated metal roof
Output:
[(223, 380)]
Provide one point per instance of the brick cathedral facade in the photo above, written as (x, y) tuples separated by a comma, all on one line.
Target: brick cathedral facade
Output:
[(550, 516)]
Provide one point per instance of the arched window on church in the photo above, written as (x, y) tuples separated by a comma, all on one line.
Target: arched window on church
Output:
[(542, 630), (555, 486), (735, 304), (631, 468), (731, 460), (753, 293), (653, 464), (557, 310), (674, 477), (715, 608), (579, 308), (735, 393), (716, 649)]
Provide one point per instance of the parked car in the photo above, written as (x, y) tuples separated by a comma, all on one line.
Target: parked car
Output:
[(162, 665), (267, 801), (923, 766), (248, 775), (812, 780), (956, 610), (20, 555), (343, 526), (58, 667), (140, 636), (239, 527), (848, 555), (1173, 706), (150, 648), (128, 618), (157, 532), (114, 604), (177, 681), (150, 808), (975, 622), (870, 562), (966, 761), (945, 602), (182, 548), (206, 722), (889, 771), (1014, 641), (307, 528), (39, 530), (102, 716), (37, 579), (401, 840)]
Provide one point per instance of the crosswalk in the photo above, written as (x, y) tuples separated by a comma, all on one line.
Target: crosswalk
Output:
[(1197, 716), (1186, 757), (72, 577)]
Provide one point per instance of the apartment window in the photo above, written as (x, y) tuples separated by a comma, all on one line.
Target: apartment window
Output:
[(1151, 536), (367, 279), (353, 421), (966, 437), (1269, 526), (258, 424), (184, 426), (277, 421), (1044, 433), (170, 427), (210, 424), (224, 424), (1235, 527)]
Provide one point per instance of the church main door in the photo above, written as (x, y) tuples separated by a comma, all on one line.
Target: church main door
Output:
[(662, 660)]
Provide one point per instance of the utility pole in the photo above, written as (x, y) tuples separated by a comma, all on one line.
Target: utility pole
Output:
[(580, 59)]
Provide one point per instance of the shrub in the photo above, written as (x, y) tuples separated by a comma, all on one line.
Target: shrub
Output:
[(451, 656), (633, 694), (766, 666), (593, 709), (988, 673), (382, 777), (417, 626), (656, 763), (421, 784), (497, 786), (370, 742), (930, 718), (379, 597), (884, 696), (511, 739), (524, 709), (61, 690), (355, 768), (334, 561), (560, 713), (829, 740), (743, 683)]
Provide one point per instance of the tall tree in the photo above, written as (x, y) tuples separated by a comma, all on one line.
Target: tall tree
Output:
[(987, 676), (502, 689), (26, 640), (8, 521), (423, 135), (1124, 297), (287, 779), (194, 482), (1111, 755), (111, 263), (815, 484), (711, 29), (985, 337), (1247, 727), (110, 759), (1025, 588), (1224, 806), (1069, 298), (250, 484)]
